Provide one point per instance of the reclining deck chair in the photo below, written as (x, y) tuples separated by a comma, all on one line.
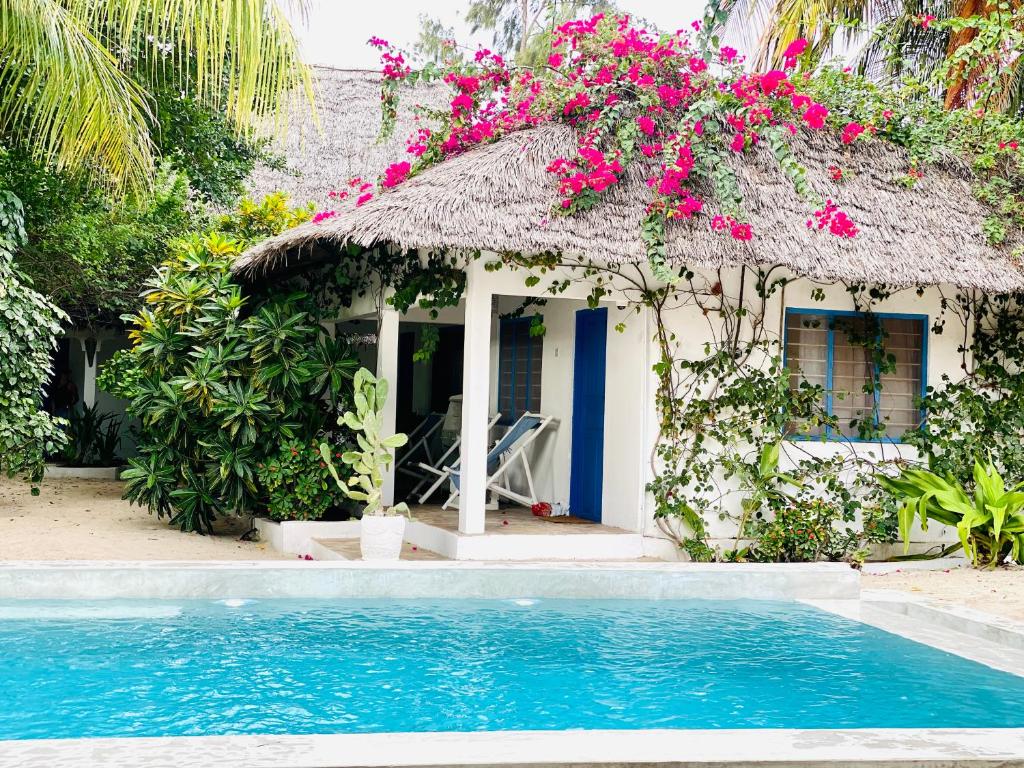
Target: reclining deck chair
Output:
[(511, 447), (435, 470), (418, 446)]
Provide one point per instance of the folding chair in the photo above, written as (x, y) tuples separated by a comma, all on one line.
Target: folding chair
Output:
[(435, 471), (419, 445), (511, 447)]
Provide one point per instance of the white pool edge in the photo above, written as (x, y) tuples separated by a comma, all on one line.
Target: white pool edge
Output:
[(99, 580), (874, 748)]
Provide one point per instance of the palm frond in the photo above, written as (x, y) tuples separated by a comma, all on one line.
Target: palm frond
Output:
[(239, 55), (63, 95)]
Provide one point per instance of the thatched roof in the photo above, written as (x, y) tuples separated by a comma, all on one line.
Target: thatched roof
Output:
[(499, 197), (345, 145)]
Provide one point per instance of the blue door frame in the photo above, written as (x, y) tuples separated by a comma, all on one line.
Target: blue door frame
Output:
[(586, 478)]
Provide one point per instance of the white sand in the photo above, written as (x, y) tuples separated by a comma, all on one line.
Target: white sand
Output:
[(87, 520), (999, 592)]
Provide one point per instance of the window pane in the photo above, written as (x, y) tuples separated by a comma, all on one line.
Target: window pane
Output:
[(853, 373), (806, 352), (898, 411), (520, 369)]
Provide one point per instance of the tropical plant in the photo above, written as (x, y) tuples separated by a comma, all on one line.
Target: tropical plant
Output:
[(225, 379), (375, 452), (299, 482), (93, 437), (965, 49), (29, 325), (64, 93), (989, 522)]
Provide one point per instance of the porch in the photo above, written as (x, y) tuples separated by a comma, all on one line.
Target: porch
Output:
[(511, 534), (502, 417)]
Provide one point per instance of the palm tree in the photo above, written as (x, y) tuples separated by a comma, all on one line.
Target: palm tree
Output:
[(890, 39), (68, 92)]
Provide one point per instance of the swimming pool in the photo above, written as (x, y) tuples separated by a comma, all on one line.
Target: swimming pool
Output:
[(173, 668)]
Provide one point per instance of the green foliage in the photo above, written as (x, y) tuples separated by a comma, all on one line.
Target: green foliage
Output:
[(982, 413), (299, 482), (120, 375), (813, 529), (76, 75), (225, 379), (990, 523), (374, 454), (29, 325), (93, 438), (87, 253)]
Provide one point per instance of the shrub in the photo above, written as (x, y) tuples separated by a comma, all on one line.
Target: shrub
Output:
[(224, 380), (29, 325), (299, 482), (989, 522), (811, 530), (93, 438)]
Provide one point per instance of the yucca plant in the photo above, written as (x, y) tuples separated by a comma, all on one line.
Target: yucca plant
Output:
[(990, 525)]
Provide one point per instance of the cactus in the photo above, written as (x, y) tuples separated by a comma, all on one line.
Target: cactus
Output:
[(375, 454)]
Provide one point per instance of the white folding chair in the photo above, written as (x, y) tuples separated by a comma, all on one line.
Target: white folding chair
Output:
[(509, 449), (435, 473)]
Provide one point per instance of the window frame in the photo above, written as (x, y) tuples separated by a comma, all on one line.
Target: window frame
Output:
[(521, 325), (829, 435)]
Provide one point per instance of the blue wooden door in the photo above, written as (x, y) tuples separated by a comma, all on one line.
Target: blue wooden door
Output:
[(586, 479)]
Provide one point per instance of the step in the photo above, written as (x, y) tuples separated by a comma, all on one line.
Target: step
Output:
[(348, 549)]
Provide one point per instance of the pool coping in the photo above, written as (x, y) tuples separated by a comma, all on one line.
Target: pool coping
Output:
[(874, 748), (98, 580)]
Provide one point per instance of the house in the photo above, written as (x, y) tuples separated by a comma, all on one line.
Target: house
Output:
[(592, 369)]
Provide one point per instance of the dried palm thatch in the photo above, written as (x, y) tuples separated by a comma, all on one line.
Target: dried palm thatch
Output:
[(500, 198), (345, 145)]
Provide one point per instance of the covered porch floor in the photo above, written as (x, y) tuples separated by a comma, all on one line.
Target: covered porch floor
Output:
[(510, 534)]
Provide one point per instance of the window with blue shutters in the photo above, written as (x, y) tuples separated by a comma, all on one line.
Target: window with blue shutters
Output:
[(519, 368)]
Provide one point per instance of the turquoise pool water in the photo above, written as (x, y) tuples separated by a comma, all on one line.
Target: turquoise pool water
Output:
[(163, 668)]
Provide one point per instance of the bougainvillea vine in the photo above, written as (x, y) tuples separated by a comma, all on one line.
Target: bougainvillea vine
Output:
[(664, 102)]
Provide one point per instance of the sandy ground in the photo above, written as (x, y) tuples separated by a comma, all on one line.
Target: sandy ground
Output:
[(999, 592), (87, 520)]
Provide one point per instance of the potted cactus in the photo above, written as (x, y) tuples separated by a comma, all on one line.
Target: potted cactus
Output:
[(382, 528)]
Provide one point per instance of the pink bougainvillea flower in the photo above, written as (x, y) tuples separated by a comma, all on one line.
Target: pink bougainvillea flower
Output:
[(738, 142), (851, 132), (771, 80), (740, 231), (815, 115), (364, 198), (395, 174), (719, 222), (924, 20), (727, 55), (555, 60), (646, 125), (835, 173), (323, 216), (835, 220), (793, 51)]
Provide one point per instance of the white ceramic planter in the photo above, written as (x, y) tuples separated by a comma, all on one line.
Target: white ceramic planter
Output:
[(380, 537)]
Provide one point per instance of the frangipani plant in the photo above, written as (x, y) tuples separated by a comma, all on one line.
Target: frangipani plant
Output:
[(376, 453), (990, 526)]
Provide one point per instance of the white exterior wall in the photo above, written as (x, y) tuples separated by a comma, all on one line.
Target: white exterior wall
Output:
[(943, 357), (631, 420)]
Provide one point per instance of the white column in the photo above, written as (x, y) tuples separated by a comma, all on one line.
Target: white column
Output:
[(387, 369), (89, 373), (476, 387)]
